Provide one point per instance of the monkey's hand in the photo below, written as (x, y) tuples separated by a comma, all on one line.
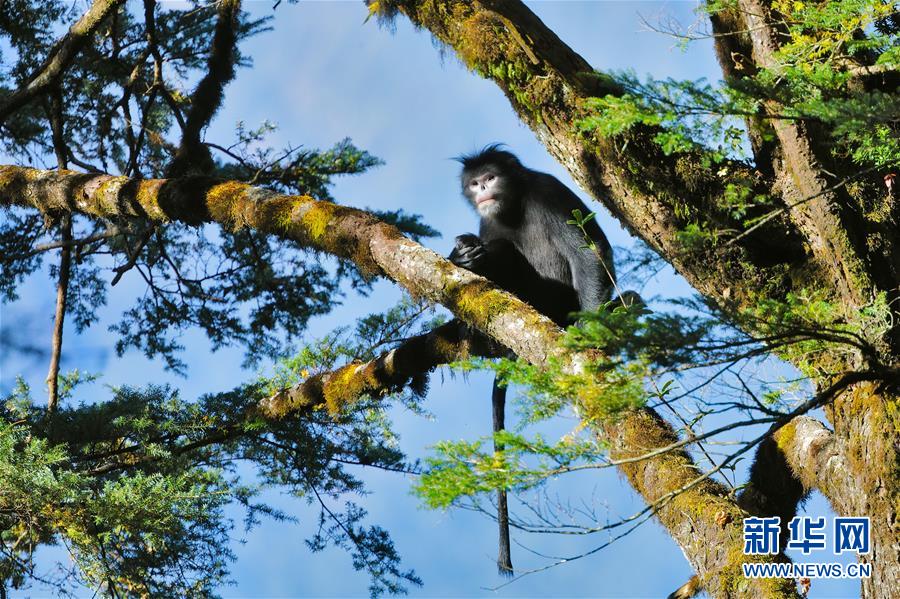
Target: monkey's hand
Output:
[(470, 253)]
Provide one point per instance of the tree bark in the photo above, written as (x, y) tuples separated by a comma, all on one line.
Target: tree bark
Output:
[(821, 212), (867, 439), (857, 468)]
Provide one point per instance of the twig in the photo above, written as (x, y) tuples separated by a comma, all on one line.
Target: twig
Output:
[(132, 256), (65, 257), (55, 245), (801, 201)]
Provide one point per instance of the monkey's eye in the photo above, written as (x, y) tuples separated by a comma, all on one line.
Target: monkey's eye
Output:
[(489, 178)]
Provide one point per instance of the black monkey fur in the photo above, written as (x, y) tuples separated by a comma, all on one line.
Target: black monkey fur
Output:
[(525, 245)]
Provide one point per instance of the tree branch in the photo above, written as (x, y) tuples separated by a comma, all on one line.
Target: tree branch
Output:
[(65, 256), (60, 57), (834, 236), (207, 98), (389, 373), (55, 245), (734, 52), (811, 452), (713, 543)]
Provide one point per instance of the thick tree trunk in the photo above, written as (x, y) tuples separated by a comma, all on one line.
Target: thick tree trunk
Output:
[(858, 467), (867, 437), (857, 471)]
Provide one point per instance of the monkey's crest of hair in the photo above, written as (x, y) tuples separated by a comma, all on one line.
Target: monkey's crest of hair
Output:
[(489, 155)]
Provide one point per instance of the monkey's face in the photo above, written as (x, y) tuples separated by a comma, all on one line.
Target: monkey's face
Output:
[(488, 191)]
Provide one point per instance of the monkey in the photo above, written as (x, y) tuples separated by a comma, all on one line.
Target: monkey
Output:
[(525, 245)]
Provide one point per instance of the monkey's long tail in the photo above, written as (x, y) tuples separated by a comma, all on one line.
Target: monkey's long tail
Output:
[(504, 556)]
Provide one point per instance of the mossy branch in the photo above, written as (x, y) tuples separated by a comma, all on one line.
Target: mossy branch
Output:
[(405, 366), (812, 453), (60, 57), (669, 481), (375, 247), (836, 236), (192, 156)]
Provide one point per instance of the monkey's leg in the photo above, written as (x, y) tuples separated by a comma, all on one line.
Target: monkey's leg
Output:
[(504, 556)]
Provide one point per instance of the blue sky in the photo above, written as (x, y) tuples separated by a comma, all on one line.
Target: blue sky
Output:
[(323, 74)]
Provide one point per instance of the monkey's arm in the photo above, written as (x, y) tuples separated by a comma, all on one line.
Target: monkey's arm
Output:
[(500, 261), (591, 281)]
